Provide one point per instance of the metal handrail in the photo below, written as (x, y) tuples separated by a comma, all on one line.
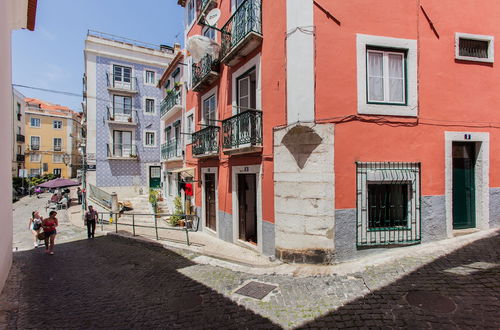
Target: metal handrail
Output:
[(114, 217), (122, 84), (205, 141), (202, 69), (171, 149), (244, 128)]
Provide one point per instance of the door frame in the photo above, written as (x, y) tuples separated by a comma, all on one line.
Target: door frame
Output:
[(149, 175), (148, 169), (203, 219), (247, 169), (481, 176)]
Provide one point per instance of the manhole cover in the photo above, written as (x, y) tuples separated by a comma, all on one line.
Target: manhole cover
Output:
[(430, 301), (184, 302), (256, 290)]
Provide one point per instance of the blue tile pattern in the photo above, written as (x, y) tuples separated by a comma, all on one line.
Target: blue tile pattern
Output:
[(123, 173)]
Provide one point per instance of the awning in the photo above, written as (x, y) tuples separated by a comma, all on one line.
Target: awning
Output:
[(185, 172)]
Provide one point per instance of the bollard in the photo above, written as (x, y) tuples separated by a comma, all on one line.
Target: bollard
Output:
[(133, 224), (156, 227)]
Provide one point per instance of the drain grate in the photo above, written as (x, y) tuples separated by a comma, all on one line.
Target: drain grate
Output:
[(256, 290)]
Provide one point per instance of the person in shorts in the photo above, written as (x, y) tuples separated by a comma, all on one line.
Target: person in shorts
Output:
[(35, 225), (91, 220), (49, 228)]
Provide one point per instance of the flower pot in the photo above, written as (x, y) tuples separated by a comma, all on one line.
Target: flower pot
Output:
[(182, 223)]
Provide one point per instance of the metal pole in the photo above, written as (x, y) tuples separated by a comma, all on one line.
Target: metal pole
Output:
[(133, 223), (187, 236), (156, 227), (102, 222), (116, 222)]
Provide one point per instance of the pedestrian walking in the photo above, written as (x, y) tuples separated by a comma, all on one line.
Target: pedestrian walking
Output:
[(49, 228), (79, 194), (35, 225), (91, 220), (38, 191)]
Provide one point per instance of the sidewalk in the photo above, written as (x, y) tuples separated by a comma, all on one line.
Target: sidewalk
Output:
[(208, 250)]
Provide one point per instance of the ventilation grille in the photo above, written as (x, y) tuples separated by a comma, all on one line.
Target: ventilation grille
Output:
[(473, 48)]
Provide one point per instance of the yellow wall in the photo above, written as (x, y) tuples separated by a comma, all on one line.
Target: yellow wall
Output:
[(47, 133)]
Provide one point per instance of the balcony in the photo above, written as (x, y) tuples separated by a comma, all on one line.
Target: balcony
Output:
[(57, 148), (35, 147), (122, 151), (121, 116), (205, 142), (242, 33), (20, 138), (242, 133), (122, 84), (20, 158), (205, 73), (171, 103), (171, 151), (204, 6)]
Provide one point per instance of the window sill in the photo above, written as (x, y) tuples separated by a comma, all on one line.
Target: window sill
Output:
[(385, 109)]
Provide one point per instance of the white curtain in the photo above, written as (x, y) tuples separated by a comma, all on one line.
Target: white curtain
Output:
[(375, 76), (396, 82)]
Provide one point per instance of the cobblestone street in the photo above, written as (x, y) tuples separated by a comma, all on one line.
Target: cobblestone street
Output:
[(110, 282)]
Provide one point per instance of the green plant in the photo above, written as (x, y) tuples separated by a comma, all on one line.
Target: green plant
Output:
[(178, 211), (169, 91), (177, 85), (153, 199)]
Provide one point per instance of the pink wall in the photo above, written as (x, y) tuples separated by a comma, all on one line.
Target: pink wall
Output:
[(273, 104), (449, 90)]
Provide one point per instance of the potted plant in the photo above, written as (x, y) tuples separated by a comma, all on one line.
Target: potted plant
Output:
[(177, 85), (178, 212), (129, 119)]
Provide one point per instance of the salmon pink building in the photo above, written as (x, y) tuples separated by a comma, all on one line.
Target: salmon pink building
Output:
[(328, 130)]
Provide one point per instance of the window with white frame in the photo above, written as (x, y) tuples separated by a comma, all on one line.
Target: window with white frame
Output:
[(150, 77), (34, 172), (57, 124), (189, 128), (34, 122), (35, 158), (473, 47), (386, 76), (149, 106), (150, 139), (191, 12), (57, 144), (388, 203), (246, 90), (209, 110), (57, 158), (35, 143)]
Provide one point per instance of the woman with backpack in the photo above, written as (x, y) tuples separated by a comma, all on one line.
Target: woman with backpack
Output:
[(35, 225), (49, 229)]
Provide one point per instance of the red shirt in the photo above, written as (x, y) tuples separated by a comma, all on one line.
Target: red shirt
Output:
[(49, 225), (188, 189)]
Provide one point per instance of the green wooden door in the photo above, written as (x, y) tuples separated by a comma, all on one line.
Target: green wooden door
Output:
[(464, 199), (154, 177)]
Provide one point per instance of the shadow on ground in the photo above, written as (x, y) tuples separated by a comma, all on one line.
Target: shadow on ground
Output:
[(459, 290), (111, 283)]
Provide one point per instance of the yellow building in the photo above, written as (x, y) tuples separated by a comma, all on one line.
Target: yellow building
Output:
[(52, 138)]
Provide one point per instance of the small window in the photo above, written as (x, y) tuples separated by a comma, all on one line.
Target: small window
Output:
[(34, 172), (35, 143), (189, 128), (470, 47), (246, 91), (57, 124), (150, 77), (190, 12), (19, 111), (35, 158), (57, 144), (57, 158), (387, 205), (150, 106), (150, 139), (35, 122), (386, 76)]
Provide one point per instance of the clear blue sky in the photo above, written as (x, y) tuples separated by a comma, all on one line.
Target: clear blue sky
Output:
[(51, 57)]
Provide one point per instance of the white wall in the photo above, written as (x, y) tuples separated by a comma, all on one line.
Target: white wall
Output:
[(6, 138)]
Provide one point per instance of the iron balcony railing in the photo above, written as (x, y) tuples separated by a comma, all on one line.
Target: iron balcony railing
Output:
[(122, 82), (246, 19), (57, 148), (206, 141), (122, 150), (202, 69), (20, 138), (35, 147), (242, 130), (172, 99), (20, 158), (171, 149), (122, 115)]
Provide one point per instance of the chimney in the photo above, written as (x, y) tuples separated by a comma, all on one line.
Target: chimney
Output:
[(177, 47)]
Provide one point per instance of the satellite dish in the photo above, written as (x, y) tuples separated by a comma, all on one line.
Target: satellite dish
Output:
[(213, 17)]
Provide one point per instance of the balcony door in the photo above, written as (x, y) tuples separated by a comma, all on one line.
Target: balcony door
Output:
[(122, 143), (209, 110), (247, 91), (122, 77), (122, 107), (210, 198), (177, 132)]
